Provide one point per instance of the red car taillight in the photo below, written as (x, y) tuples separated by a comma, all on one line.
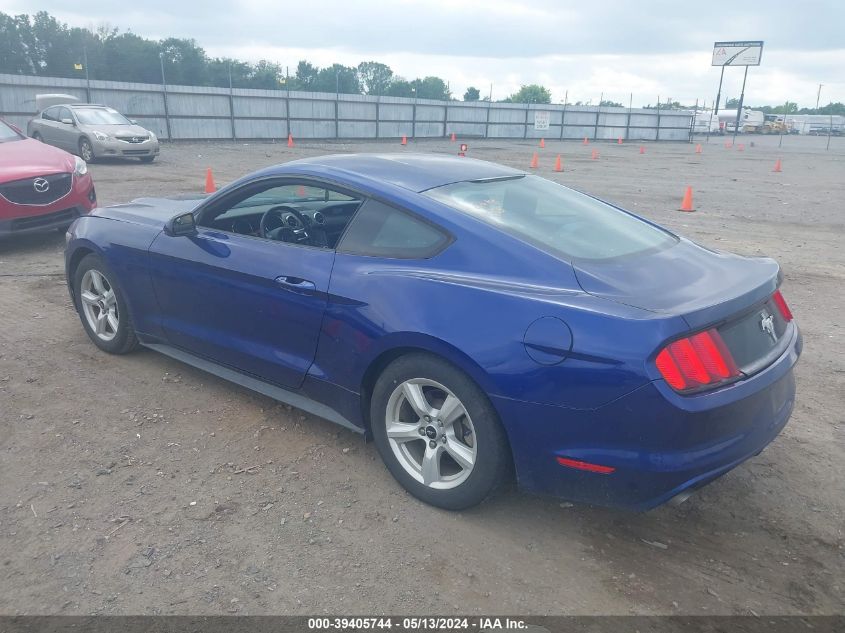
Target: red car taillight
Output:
[(701, 360), (780, 302)]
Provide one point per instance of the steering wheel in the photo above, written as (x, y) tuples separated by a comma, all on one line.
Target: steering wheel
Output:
[(283, 232)]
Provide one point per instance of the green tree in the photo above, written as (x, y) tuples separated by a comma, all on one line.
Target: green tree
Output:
[(336, 77), (610, 104), (833, 108), (219, 70), (16, 44), (375, 77), (306, 76), (532, 93), (127, 57), (472, 94), (400, 88), (266, 75), (431, 88), (185, 62)]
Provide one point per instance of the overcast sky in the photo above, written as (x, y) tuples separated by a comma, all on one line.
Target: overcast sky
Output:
[(616, 47)]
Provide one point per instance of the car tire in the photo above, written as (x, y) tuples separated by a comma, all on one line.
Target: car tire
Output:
[(102, 307), (86, 150), (456, 473), (147, 159)]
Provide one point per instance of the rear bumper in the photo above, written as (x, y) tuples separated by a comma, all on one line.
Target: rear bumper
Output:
[(659, 443)]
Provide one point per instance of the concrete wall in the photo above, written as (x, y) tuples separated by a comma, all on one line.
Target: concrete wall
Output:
[(193, 112)]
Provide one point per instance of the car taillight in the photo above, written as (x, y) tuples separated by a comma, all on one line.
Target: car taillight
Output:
[(701, 360), (780, 302)]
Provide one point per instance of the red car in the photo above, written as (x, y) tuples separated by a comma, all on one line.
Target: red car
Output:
[(41, 187)]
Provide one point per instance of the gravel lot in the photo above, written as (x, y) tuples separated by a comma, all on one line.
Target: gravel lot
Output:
[(124, 486)]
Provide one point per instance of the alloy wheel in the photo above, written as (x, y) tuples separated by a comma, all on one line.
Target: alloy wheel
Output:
[(431, 434), (99, 305), (86, 150)]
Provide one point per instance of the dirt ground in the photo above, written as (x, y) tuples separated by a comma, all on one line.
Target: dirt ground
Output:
[(123, 481)]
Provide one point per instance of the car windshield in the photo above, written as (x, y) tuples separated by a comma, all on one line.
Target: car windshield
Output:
[(100, 116), (7, 133), (553, 217)]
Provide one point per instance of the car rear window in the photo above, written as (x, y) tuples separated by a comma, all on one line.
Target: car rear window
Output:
[(555, 218)]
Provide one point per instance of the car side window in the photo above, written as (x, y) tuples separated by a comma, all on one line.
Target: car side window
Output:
[(302, 212), (51, 114), (380, 230), (64, 113)]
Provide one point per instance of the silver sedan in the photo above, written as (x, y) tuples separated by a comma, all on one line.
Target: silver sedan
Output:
[(93, 131)]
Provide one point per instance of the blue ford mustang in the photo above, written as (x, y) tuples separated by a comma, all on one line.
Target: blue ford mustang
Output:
[(472, 319)]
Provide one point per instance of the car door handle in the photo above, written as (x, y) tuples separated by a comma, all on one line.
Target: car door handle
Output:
[(297, 284)]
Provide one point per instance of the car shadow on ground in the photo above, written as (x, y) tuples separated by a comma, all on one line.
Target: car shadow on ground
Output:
[(30, 243)]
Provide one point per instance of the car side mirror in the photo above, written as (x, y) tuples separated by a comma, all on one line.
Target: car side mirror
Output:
[(133, 121), (67, 121), (182, 224)]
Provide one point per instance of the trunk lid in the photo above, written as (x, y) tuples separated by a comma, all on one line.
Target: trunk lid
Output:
[(700, 285)]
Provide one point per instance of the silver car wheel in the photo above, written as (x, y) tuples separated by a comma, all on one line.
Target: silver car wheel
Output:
[(86, 151), (99, 305), (431, 433)]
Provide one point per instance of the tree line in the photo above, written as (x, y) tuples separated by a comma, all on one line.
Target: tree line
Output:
[(42, 45)]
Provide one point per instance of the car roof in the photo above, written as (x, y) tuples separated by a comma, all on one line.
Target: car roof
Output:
[(417, 172)]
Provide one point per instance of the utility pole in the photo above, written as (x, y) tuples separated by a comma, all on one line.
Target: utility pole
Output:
[(164, 94), (231, 104), (336, 105), (818, 94), (87, 77)]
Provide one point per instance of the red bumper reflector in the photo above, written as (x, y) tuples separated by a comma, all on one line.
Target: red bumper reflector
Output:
[(579, 465)]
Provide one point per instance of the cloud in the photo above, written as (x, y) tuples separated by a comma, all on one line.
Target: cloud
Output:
[(614, 46)]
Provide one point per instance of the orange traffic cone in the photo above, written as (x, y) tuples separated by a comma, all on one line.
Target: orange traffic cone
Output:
[(728, 145), (558, 164), (698, 148), (586, 142), (686, 203), (595, 155), (535, 160), (642, 149), (777, 168), (404, 140), (619, 141), (210, 187), (740, 148), (454, 138), (290, 140), (542, 143)]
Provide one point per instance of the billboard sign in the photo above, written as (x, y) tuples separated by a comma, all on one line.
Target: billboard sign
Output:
[(737, 53), (541, 120)]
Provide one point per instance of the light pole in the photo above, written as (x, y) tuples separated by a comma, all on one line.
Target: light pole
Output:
[(414, 114), (164, 96), (818, 94)]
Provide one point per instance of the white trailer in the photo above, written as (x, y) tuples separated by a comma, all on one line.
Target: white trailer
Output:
[(750, 121), (705, 121)]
